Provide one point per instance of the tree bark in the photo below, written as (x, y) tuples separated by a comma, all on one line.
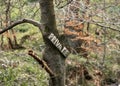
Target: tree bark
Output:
[(7, 15), (51, 55)]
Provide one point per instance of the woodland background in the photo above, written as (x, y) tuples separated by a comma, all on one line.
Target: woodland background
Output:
[(92, 29)]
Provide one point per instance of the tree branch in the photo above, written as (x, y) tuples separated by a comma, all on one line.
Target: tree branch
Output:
[(101, 25), (64, 5), (35, 23), (41, 62), (98, 24)]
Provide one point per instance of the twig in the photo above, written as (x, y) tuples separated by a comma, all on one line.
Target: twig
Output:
[(41, 62), (101, 25), (114, 29), (64, 5)]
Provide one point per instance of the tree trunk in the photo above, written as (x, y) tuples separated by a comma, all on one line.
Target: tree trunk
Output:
[(55, 58), (7, 15), (51, 55)]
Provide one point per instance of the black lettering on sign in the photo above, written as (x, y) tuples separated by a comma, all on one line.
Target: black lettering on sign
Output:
[(57, 43)]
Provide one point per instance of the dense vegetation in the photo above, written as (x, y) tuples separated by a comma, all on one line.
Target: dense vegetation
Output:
[(92, 29)]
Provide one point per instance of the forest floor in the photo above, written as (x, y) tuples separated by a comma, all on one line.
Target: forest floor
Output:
[(17, 68)]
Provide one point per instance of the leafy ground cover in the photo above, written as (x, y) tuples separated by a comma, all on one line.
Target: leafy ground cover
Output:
[(17, 68)]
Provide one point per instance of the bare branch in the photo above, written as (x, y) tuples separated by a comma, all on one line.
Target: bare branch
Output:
[(41, 62), (98, 24), (101, 25), (64, 5), (35, 23)]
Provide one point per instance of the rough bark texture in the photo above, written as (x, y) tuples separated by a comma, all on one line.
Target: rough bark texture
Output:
[(54, 59), (51, 55)]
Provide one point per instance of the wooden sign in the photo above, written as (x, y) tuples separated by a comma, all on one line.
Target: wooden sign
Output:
[(58, 45)]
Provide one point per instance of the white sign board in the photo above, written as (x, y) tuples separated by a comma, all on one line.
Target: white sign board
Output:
[(57, 43)]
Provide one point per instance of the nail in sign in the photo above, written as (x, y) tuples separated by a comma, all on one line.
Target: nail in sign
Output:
[(57, 43)]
